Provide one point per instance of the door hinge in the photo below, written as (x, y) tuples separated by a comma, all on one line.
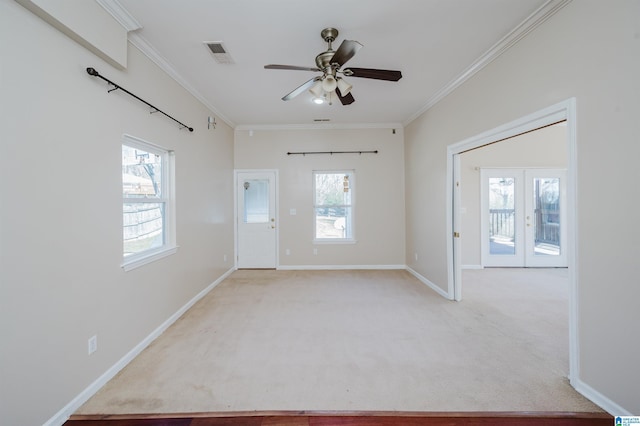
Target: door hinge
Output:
[(456, 235)]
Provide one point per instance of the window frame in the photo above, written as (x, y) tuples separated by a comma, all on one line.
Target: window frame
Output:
[(352, 183), (167, 199)]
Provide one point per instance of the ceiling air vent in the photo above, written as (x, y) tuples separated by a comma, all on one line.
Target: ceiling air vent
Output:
[(219, 52), (321, 120)]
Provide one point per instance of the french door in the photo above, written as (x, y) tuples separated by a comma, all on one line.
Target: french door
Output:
[(256, 219), (523, 217)]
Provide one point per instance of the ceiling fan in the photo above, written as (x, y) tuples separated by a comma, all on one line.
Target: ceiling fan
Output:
[(330, 63)]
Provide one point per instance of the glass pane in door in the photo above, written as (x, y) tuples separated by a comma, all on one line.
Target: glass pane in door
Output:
[(546, 216), (502, 211), (256, 201)]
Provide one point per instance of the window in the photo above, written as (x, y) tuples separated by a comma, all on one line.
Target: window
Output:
[(256, 201), (333, 205), (147, 202)]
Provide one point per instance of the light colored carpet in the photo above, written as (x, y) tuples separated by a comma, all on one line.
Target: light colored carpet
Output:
[(358, 340)]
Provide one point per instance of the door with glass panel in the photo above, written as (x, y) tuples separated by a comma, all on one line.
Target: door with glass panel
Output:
[(257, 221), (545, 218), (522, 223)]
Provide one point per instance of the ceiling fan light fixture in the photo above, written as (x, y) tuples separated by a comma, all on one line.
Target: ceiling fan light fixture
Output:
[(344, 87), (317, 90), (329, 83)]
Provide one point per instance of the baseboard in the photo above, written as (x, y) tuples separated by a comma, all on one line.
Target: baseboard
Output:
[(429, 284), (472, 267), (334, 267), (599, 399), (63, 415)]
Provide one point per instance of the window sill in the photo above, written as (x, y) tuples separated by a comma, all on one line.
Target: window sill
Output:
[(336, 241), (131, 264)]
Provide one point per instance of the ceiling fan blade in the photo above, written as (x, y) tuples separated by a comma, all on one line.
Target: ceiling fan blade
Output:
[(347, 49), (305, 86), (388, 75), (289, 67), (347, 99)]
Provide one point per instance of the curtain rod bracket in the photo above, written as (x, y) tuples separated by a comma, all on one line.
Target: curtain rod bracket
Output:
[(93, 72)]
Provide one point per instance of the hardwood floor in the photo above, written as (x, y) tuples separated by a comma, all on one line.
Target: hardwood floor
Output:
[(347, 419)]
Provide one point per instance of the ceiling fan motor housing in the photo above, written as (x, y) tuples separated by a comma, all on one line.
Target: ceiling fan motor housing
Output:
[(323, 61)]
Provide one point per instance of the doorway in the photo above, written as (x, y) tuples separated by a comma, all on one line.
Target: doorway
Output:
[(523, 217), (561, 112), (256, 219)]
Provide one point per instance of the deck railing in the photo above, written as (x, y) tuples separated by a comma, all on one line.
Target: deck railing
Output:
[(547, 226), (502, 223)]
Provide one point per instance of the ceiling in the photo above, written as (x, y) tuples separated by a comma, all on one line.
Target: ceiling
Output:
[(435, 43)]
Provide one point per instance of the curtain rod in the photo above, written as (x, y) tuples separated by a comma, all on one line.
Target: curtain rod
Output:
[(93, 72), (332, 152)]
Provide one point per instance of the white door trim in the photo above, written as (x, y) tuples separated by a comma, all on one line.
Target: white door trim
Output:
[(456, 204), (236, 172), (565, 110)]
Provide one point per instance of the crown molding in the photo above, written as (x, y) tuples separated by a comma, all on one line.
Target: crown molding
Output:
[(544, 12), (149, 51), (319, 126), (120, 14), (125, 19)]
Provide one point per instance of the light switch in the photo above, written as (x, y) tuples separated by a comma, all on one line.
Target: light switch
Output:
[(292, 212)]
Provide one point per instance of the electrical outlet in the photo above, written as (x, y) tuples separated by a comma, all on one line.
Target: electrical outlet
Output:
[(93, 344), (315, 251), (287, 252), (416, 256), (224, 258)]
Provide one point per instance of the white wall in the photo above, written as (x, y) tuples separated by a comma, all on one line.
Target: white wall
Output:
[(545, 147), (61, 214), (589, 50), (87, 23), (379, 191)]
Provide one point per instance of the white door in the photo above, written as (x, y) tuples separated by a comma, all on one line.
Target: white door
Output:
[(545, 217), (257, 221), (523, 217)]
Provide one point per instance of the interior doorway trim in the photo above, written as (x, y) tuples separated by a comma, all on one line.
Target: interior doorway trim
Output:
[(562, 111)]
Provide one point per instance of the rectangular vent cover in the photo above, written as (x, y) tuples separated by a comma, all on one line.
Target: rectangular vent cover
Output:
[(219, 52)]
